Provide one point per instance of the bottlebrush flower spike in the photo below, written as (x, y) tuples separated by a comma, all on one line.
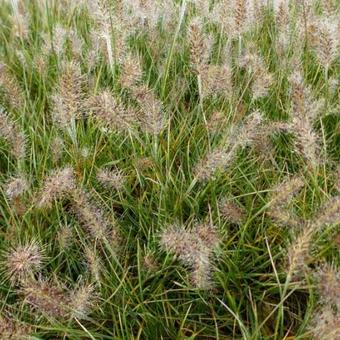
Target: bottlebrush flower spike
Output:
[(81, 301), (15, 187), (68, 97), (329, 213), (325, 324), (326, 39), (280, 197), (216, 80), (56, 149), (11, 88), (131, 72), (94, 264), (220, 158), (11, 328), (12, 134), (215, 160), (64, 237), (151, 114), (111, 179), (236, 16), (59, 184), (232, 211), (56, 42), (91, 216), (256, 67), (328, 278), (110, 113), (22, 261), (194, 249), (305, 110), (298, 252), (101, 10), (49, 298), (200, 46)]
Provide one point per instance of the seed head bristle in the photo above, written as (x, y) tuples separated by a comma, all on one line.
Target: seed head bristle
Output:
[(56, 149), (150, 262), (22, 261), (199, 46), (94, 264), (11, 328), (326, 41), (64, 237), (110, 113), (194, 249), (215, 160), (325, 324), (112, 179), (90, 215), (222, 157), (256, 67), (47, 297), (151, 114), (232, 211), (82, 301), (131, 71), (216, 80), (68, 97), (12, 134), (298, 252), (328, 278), (58, 185), (12, 90), (16, 187), (329, 213), (281, 196)]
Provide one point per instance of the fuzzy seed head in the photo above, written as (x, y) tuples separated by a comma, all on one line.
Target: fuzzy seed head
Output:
[(16, 187), (13, 135), (94, 264), (216, 121), (150, 262), (131, 71), (56, 148), (325, 324), (109, 113), (13, 329), (280, 197), (246, 132), (150, 111), (306, 141), (68, 96), (232, 212), (58, 185), (47, 298), (200, 46), (81, 301), (194, 249), (23, 261), (64, 237), (328, 278), (11, 88), (111, 179), (326, 41), (216, 80), (298, 252), (90, 215), (329, 213), (218, 159)]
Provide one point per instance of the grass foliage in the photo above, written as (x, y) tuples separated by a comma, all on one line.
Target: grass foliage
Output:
[(169, 169)]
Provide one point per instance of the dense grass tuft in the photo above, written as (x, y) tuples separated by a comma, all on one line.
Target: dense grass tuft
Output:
[(169, 169)]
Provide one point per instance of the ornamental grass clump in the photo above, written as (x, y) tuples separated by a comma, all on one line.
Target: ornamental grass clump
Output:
[(118, 117)]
